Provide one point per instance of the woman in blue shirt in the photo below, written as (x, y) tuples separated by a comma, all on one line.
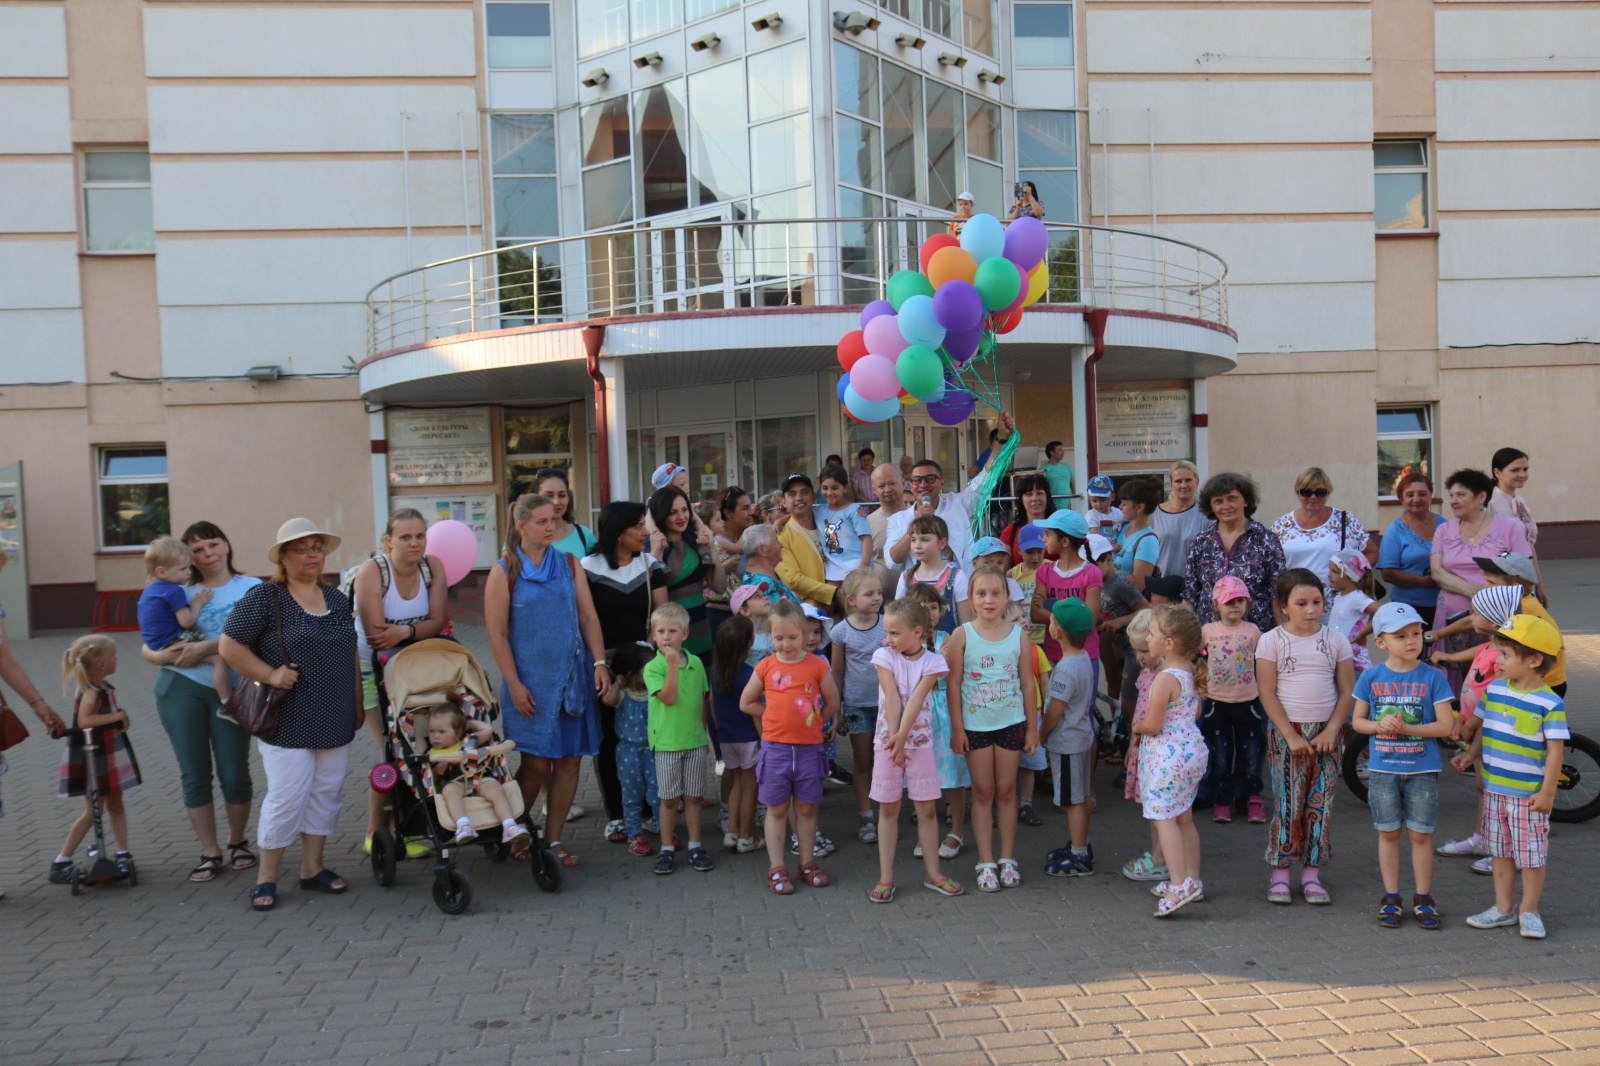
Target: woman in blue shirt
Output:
[(1138, 546), (1407, 544), (571, 537)]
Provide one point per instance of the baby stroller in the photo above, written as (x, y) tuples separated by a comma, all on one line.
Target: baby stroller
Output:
[(416, 677)]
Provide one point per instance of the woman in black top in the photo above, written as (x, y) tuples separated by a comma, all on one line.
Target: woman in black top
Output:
[(626, 583), (306, 756)]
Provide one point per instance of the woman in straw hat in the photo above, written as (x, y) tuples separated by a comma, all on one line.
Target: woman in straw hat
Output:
[(306, 755)]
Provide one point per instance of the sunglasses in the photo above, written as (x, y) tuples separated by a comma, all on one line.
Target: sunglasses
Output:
[(1309, 493)]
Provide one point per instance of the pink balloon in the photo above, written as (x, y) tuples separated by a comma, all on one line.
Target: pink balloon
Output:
[(873, 376), (1022, 292), (882, 335), (456, 546)]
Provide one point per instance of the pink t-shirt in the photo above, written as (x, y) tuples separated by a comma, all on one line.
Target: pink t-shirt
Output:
[(1503, 534), (1060, 586), (1231, 661), (1307, 666), (907, 674), (1485, 668)]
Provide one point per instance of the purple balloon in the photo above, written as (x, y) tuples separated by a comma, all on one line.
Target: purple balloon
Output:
[(957, 305), (955, 407), (964, 345), (1026, 242), (874, 309), (882, 336)]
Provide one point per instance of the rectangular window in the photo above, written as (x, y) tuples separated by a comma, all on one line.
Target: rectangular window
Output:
[(945, 148), (607, 189), (855, 79), (699, 9), (535, 439), (651, 17), (778, 81), (117, 211), (524, 163), (659, 112), (1042, 35), (133, 496), (859, 152), (519, 36), (780, 153), (978, 19), (720, 165), (784, 446), (603, 26), (1400, 185), (1047, 155), (904, 127), (1405, 446)]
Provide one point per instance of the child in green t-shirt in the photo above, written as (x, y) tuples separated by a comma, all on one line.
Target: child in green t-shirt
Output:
[(679, 695)]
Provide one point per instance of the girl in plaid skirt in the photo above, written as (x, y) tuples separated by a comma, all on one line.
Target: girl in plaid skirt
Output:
[(84, 670)]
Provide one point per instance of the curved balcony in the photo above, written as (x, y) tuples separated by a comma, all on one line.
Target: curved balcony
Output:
[(672, 288)]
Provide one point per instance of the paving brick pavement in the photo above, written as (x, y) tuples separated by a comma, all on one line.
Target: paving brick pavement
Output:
[(625, 967)]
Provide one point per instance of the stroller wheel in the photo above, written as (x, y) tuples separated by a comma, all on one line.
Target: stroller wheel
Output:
[(546, 870), (385, 852), (452, 892)]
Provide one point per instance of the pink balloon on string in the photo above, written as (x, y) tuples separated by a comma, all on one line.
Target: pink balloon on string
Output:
[(883, 338)]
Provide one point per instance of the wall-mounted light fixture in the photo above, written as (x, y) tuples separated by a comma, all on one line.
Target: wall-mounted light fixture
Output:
[(767, 22), (700, 44), (853, 22), (985, 74), (947, 59), (650, 59), (908, 40), (597, 76)]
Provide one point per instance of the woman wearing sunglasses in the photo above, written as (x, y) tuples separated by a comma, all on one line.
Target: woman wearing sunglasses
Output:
[(1312, 532)]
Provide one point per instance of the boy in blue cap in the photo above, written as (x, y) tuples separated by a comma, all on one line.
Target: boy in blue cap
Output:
[(1104, 518)]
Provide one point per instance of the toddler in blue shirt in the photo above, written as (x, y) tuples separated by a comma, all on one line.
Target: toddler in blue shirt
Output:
[(168, 616)]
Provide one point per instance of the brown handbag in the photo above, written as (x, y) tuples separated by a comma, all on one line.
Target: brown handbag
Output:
[(253, 706), (12, 731)]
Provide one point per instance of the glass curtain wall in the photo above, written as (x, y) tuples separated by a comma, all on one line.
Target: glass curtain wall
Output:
[(1047, 155), (523, 162), (969, 22)]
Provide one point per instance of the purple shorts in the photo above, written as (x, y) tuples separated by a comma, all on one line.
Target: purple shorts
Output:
[(790, 771)]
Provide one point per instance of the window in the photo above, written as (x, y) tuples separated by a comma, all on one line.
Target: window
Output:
[(1405, 446), (780, 153), (904, 132), (524, 149), (133, 496), (535, 439), (978, 21), (720, 166), (651, 17), (659, 112), (117, 214), (778, 82), (1400, 185), (519, 36), (1047, 155), (603, 26), (607, 147), (945, 148), (1043, 35), (699, 9), (784, 445)]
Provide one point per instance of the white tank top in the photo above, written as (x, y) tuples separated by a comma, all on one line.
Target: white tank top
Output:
[(397, 609)]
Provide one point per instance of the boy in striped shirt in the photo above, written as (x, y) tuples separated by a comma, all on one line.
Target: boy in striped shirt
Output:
[(1523, 734)]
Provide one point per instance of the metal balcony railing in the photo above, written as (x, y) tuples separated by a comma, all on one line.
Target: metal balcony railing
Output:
[(727, 263)]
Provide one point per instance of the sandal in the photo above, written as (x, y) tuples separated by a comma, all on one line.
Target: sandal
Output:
[(1278, 891), (882, 892), (812, 875), (1427, 914), (1315, 894), (1389, 910), (263, 890), (948, 850), (522, 849), (616, 832), (563, 856), (323, 882), (778, 882), (988, 879), (210, 866), (1010, 875), (945, 887), (240, 857)]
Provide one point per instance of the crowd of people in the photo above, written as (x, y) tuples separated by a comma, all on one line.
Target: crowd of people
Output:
[(759, 635)]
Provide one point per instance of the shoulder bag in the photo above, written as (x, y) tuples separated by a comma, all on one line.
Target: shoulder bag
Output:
[(253, 706), (12, 731)]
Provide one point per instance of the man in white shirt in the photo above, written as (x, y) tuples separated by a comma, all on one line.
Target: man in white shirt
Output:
[(927, 483), (887, 483)]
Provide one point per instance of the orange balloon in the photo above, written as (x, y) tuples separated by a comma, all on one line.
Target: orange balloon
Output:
[(933, 245), (951, 264)]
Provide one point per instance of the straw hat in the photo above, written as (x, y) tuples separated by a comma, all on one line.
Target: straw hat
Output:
[(294, 529)]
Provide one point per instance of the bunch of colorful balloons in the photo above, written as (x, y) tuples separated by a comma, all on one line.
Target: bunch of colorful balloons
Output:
[(914, 345)]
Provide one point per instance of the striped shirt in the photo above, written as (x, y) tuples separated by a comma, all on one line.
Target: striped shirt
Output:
[(1516, 729)]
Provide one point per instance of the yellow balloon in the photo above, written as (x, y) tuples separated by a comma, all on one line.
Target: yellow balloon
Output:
[(1038, 284)]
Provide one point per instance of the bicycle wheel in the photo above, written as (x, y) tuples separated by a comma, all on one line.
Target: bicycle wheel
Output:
[(1578, 793), (1355, 765)]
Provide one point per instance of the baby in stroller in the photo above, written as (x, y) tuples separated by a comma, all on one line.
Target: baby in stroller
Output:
[(460, 774)]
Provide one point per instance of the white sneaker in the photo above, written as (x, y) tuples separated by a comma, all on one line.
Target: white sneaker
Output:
[(1531, 925), (514, 831), (730, 841), (466, 833), (1493, 919)]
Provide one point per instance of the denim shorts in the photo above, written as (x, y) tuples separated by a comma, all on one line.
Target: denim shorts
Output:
[(859, 720), (1409, 798)]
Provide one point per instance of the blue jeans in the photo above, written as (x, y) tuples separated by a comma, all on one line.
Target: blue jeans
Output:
[(1236, 736), (636, 771)]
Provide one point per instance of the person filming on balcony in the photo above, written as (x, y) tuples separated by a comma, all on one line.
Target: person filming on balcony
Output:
[(1028, 204), (927, 483)]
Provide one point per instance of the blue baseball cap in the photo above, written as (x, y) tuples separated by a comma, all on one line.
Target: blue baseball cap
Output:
[(1066, 521), (1030, 536), (1100, 485), (1393, 617), (989, 546)]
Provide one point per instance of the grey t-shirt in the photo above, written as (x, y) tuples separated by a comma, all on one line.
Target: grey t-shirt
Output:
[(1176, 532), (860, 676), (1072, 682)]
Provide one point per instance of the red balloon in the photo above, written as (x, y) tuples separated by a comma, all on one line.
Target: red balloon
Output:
[(1007, 323), (933, 244), (852, 347)]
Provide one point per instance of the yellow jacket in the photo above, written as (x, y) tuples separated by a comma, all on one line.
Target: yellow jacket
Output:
[(801, 566)]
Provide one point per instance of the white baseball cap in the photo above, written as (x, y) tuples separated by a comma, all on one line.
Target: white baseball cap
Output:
[(965, 196)]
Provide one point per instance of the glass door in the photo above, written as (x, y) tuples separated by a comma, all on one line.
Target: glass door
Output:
[(917, 224), (705, 452), (690, 261)]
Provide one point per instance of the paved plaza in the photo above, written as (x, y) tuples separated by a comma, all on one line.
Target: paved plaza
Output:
[(625, 967)]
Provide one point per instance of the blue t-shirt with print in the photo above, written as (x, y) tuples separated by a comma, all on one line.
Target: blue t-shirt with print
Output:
[(839, 533), (1414, 695), (213, 616), (1143, 547)]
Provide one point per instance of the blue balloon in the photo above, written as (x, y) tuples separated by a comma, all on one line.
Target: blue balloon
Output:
[(918, 324), (844, 383), (870, 410), (983, 237)]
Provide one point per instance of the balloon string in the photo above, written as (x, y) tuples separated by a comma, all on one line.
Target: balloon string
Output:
[(999, 463)]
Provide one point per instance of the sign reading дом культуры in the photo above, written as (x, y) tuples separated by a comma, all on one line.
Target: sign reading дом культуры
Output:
[(1145, 425), (447, 446)]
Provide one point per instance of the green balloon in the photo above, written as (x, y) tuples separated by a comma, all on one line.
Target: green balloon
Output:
[(997, 282), (920, 372), (904, 284), (986, 345)]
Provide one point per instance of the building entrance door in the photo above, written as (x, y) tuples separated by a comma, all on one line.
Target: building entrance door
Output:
[(690, 261), (702, 450)]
